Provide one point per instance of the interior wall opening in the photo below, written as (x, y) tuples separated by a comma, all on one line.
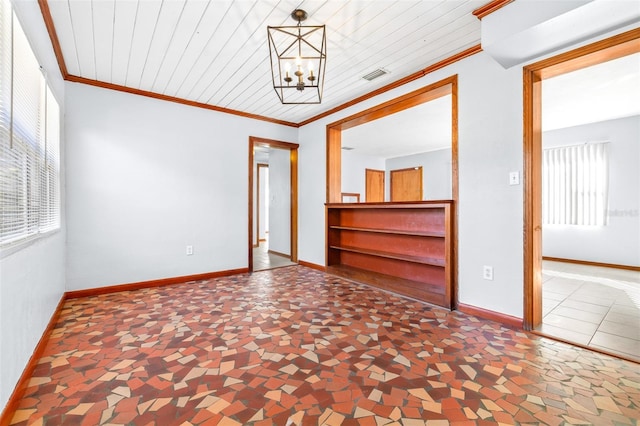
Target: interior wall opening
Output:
[(434, 94), (565, 265), (273, 204), (353, 250)]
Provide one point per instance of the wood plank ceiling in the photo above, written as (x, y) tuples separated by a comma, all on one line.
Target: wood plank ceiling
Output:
[(216, 52)]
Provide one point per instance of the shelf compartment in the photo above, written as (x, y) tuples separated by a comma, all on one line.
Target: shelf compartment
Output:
[(407, 219), (432, 234), (419, 272), (396, 256), (430, 293), (407, 247)]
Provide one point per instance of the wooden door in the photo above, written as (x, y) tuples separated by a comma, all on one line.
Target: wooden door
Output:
[(374, 186), (406, 184)]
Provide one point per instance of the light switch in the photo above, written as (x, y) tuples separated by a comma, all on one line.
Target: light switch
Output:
[(514, 178)]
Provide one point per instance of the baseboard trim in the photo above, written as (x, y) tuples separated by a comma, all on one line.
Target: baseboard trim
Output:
[(153, 283), (312, 266), (589, 263), (277, 253), (15, 397), (508, 320)]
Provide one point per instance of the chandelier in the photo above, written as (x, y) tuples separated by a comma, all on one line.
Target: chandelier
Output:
[(298, 55)]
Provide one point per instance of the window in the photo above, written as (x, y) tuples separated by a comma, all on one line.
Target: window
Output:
[(29, 139), (575, 183)]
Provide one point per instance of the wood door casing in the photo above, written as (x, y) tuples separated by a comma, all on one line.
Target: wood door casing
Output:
[(293, 161), (374, 186), (260, 200), (595, 53), (406, 184)]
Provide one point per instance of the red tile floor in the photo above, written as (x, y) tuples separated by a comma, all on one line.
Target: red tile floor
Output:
[(296, 346)]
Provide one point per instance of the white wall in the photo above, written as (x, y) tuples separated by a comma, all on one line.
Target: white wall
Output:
[(145, 178), (436, 173), (280, 201), (353, 171), (32, 276), (490, 211), (619, 241)]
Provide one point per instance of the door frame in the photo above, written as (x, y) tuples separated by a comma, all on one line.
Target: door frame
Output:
[(257, 197), (293, 161), (602, 51)]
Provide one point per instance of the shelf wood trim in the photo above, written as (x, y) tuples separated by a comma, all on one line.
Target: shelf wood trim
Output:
[(433, 204)]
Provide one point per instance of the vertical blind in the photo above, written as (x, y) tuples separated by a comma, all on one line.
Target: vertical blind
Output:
[(29, 139), (575, 184)]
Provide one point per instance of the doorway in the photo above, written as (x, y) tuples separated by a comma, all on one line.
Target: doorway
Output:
[(285, 196), (534, 261)]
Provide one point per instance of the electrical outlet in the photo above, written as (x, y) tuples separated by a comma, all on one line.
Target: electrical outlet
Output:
[(487, 272), (189, 250)]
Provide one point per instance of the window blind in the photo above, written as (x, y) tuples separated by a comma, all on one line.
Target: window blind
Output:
[(575, 184), (29, 138), (50, 206)]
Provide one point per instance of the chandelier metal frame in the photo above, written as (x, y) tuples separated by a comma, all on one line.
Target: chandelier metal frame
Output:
[(295, 45)]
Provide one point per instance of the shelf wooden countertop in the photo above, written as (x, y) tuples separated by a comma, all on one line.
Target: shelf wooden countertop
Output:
[(392, 205)]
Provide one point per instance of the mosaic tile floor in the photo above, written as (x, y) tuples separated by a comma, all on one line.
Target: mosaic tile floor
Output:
[(294, 346)]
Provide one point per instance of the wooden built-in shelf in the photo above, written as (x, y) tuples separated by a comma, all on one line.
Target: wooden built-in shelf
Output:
[(401, 247)]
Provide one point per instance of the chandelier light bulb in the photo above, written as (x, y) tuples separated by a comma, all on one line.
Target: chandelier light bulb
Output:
[(311, 77), (287, 68)]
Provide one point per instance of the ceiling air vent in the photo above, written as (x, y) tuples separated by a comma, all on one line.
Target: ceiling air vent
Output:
[(375, 74)]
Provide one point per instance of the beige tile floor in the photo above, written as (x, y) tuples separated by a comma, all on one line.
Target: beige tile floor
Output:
[(262, 259), (593, 306)]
